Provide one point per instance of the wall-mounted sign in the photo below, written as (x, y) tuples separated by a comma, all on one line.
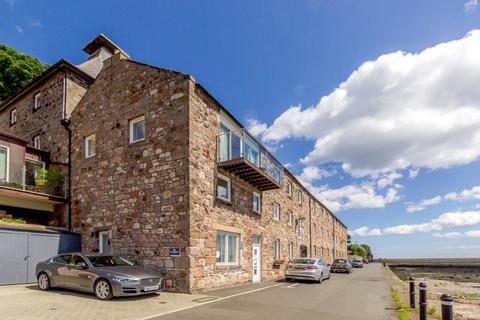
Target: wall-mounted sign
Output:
[(174, 251)]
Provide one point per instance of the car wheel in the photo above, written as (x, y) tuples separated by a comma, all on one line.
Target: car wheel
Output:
[(43, 281), (103, 290), (320, 278), (288, 279)]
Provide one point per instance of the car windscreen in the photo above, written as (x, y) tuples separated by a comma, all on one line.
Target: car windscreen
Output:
[(340, 261), (303, 261), (109, 261)]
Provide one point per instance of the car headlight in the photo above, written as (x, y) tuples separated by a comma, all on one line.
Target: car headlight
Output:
[(124, 279)]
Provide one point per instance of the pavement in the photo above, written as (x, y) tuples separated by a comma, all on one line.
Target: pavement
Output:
[(362, 295)]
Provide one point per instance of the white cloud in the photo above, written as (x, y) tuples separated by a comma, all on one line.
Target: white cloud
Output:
[(473, 234), (465, 247), (11, 3), (19, 29), (353, 196), (255, 127), (422, 205), (465, 195), (413, 173), (310, 174), (388, 179), (448, 235), (446, 220), (399, 111), (470, 5)]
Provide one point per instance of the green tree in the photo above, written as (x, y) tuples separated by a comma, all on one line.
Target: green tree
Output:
[(369, 251), (357, 250), (16, 71)]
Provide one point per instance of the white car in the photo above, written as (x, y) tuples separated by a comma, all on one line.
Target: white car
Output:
[(307, 269)]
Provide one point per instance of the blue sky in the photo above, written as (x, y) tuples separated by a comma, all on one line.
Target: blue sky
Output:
[(372, 140)]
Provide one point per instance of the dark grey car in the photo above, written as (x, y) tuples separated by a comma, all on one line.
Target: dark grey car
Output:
[(106, 276)]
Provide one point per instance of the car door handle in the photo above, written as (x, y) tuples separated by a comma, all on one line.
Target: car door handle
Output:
[(26, 258)]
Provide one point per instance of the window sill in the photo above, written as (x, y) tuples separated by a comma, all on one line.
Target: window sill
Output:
[(226, 267), (225, 201)]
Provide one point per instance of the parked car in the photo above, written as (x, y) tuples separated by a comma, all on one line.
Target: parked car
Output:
[(365, 261), (357, 263), (106, 276), (307, 269), (341, 265)]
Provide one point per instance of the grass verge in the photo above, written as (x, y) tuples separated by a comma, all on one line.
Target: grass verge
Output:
[(401, 308)]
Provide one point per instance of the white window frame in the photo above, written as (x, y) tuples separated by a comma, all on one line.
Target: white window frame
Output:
[(100, 242), (290, 250), (7, 165), (276, 249), (289, 189), (276, 211), (299, 197), (130, 129), (87, 147), (36, 142), (289, 218), (36, 101), (259, 209), (13, 116), (226, 235), (229, 186)]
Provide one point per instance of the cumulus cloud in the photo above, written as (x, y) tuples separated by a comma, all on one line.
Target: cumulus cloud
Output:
[(310, 174), (353, 196), (473, 234), (399, 111), (448, 235), (446, 220), (465, 195), (388, 179), (255, 127), (422, 205), (413, 173), (470, 5)]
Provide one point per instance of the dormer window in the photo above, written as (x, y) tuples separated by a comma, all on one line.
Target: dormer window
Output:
[(36, 101)]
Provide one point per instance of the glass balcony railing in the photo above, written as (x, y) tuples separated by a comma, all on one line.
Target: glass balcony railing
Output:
[(53, 185), (237, 145)]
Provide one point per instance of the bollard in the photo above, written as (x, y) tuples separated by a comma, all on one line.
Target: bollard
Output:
[(422, 288), (447, 307), (412, 292)]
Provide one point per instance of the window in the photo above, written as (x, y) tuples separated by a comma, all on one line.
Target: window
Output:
[(256, 202), (290, 250), (276, 211), (223, 188), (32, 169), (276, 249), (314, 228), (3, 163), (79, 261), (228, 248), (289, 218), (90, 146), (13, 117), (36, 142), (63, 259), (289, 189), (36, 101), (299, 197), (103, 242), (137, 129)]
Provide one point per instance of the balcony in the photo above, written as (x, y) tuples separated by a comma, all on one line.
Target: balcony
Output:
[(240, 154)]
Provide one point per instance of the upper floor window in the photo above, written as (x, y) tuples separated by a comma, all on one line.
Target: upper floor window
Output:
[(223, 187), (137, 129), (289, 218), (276, 211), (276, 249), (36, 142), (289, 189), (13, 116), (299, 197), (290, 250), (228, 248), (256, 202), (3, 163), (90, 146), (36, 101)]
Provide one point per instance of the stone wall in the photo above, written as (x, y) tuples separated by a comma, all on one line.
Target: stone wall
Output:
[(137, 192)]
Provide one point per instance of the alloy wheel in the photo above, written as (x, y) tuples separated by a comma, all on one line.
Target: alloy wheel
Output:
[(102, 289), (43, 282)]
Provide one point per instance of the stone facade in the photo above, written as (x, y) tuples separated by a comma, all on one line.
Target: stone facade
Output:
[(156, 199)]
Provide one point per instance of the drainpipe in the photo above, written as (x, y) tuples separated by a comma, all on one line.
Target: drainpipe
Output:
[(334, 242), (310, 215), (65, 122)]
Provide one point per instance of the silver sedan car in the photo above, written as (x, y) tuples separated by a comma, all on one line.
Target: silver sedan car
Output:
[(307, 269), (106, 276)]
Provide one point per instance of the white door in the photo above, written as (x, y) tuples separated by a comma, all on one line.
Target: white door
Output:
[(256, 267)]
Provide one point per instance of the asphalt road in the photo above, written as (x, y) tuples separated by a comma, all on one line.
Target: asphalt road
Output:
[(365, 294)]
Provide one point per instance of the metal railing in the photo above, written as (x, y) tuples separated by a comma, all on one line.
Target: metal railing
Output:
[(240, 144), (54, 186)]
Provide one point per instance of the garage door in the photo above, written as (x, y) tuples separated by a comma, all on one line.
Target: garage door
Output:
[(20, 251)]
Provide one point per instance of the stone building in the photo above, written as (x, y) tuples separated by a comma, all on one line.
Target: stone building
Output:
[(163, 174)]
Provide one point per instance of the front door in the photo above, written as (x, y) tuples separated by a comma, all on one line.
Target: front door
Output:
[(256, 267)]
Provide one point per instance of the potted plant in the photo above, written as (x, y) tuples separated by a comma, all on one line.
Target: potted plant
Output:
[(40, 180)]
